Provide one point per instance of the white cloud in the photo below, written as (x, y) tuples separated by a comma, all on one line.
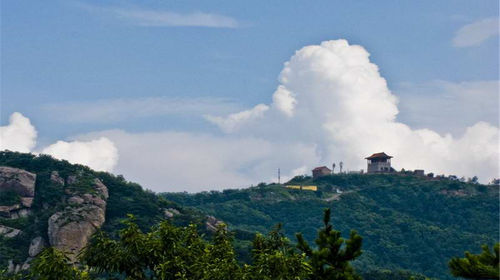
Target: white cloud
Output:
[(448, 106), (338, 108), (147, 17), (99, 154), (18, 135), (180, 161), (113, 110), (476, 33), (284, 101), (234, 121), (345, 107)]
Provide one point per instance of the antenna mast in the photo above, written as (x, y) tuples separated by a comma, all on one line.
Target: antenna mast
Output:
[(279, 176)]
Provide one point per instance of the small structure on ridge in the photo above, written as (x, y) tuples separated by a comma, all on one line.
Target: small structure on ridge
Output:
[(379, 163), (302, 188), (321, 171)]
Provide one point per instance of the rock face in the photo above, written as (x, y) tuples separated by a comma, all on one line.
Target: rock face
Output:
[(212, 223), (55, 178), (169, 213), (20, 181), (36, 246), (8, 231), (69, 230)]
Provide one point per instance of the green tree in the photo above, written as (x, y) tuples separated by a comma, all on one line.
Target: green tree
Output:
[(274, 258), (331, 260), (52, 264), (219, 258), (481, 266), (167, 252)]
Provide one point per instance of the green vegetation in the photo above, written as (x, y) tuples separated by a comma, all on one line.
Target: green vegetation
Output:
[(124, 197), (410, 225), (8, 198), (331, 259), (52, 264), (481, 266), (170, 252)]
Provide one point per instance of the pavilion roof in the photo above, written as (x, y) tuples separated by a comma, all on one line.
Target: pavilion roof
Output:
[(381, 155)]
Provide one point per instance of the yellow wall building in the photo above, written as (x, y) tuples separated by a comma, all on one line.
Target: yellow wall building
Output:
[(306, 188)]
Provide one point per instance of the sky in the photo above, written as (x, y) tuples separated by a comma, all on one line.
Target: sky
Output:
[(203, 95)]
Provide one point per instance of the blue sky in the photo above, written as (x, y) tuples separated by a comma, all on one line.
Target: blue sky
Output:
[(226, 56)]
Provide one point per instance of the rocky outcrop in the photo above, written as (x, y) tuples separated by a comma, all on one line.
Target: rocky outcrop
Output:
[(69, 230), (22, 183), (36, 246), (212, 223), (169, 213), (55, 178), (8, 231)]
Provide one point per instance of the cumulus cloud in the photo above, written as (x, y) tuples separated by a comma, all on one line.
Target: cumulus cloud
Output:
[(331, 105), (234, 121), (18, 135), (99, 154), (284, 101), (476, 33), (341, 99)]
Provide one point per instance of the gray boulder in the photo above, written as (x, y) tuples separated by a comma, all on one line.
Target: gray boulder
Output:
[(18, 180), (36, 246), (55, 178)]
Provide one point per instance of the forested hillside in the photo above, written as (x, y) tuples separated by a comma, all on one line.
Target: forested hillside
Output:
[(50, 197), (410, 226), (407, 222)]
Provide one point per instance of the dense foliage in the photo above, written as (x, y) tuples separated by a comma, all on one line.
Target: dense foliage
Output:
[(170, 252), (409, 224), (481, 266), (124, 197)]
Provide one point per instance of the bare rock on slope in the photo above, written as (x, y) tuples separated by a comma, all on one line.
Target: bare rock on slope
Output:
[(212, 223), (18, 180), (69, 230), (36, 246)]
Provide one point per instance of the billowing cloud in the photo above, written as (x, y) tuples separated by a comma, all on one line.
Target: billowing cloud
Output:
[(476, 33), (99, 154), (284, 101), (331, 105), (234, 121), (18, 135), (346, 108)]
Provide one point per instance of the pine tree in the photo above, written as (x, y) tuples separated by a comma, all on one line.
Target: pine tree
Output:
[(481, 266), (274, 258), (331, 260)]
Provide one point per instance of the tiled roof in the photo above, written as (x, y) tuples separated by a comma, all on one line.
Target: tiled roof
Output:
[(321, 167), (381, 155)]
